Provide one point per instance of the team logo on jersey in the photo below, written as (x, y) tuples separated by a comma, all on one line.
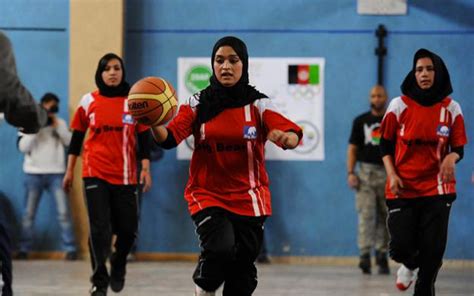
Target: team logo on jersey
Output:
[(442, 130), (127, 119), (250, 132), (372, 134)]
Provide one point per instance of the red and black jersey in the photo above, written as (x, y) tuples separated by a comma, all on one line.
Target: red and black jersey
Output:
[(110, 149), (423, 136), (227, 168)]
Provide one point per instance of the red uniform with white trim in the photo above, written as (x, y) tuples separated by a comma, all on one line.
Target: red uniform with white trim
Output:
[(110, 149), (423, 137), (227, 168)]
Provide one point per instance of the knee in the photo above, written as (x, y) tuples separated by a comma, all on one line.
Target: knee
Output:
[(63, 217), (366, 215), (128, 232), (223, 249), (100, 232), (130, 236), (28, 219)]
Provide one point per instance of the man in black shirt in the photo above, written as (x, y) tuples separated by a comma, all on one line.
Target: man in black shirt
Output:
[(369, 182)]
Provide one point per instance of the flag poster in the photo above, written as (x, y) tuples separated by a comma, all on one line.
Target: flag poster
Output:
[(296, 87)]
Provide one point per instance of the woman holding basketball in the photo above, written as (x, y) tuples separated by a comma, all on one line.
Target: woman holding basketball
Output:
[(109, 171), (227, 192), (423, 136)]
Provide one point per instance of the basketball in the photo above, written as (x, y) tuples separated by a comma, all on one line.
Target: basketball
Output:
[(152, 101)]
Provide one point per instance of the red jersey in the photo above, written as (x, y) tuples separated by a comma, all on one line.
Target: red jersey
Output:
[(227, 167), (110, 149), (423, 137)]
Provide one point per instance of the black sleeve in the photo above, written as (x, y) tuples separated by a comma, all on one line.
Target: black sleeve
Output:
[(357, 135), (18, 141), (144, 144), (387, 147), (76, 142), (169, 142), (460, 151), (16, 101)]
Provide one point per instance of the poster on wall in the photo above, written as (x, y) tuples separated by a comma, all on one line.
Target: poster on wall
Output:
[(296, 86)]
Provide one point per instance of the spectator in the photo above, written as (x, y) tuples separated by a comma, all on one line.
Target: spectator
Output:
[(369, 183), (44, 166)]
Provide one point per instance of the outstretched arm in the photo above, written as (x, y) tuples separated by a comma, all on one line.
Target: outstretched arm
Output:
[(16, 102)]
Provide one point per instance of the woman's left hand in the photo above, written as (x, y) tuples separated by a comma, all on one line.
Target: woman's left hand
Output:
[(448, 167), (288, 140), (145, 180)]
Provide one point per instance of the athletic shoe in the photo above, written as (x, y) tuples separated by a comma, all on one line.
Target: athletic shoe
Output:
[(405, 277), (117, 275), (22, 255), (96, 291), (364, 263), (71, 256), (201, 292), (131, 257), (382, 262), (263, 259)]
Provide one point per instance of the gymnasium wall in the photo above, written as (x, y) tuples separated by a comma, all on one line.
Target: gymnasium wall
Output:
[(313, 208)]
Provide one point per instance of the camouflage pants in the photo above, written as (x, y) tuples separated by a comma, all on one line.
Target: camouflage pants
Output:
[(371, 209)]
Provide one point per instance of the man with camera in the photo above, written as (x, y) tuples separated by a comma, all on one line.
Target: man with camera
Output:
[(44, 167)]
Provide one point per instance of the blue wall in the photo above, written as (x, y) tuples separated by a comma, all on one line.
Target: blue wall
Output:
[(41, 45), (313, 208)]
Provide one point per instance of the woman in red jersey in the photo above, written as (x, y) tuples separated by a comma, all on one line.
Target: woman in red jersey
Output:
[(227, 191), (109, 171), (423, 136)]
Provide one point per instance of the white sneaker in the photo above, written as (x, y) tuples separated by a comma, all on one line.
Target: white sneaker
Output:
[(405, 277), (201, 292)]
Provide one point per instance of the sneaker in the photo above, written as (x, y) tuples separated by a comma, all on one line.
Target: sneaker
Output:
[(364, 264), (71, 256), (117, 276), (200, 292), (382, 262), (96, 291), (405, 277), (22, 255), (263, 259), (131, 257)]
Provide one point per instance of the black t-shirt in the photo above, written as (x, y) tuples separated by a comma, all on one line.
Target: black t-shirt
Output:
[(366, 136)]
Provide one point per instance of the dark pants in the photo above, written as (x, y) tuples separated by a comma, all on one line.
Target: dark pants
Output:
[(112, 210), (5, 259), (418, 233), (229, 244)]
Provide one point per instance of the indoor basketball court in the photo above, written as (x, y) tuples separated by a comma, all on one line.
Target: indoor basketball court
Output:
[(321, 147)]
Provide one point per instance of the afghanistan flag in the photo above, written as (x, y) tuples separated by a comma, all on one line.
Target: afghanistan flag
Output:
[(303, 74)]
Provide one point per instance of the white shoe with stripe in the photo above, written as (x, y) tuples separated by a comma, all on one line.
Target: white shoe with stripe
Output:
[(405, 277)]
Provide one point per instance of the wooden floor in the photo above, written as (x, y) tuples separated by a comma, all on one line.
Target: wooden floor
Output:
[(53, 277)]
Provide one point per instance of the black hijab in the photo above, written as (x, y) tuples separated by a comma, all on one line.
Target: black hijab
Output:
[(120, 90), (442, 83), (216, 98)]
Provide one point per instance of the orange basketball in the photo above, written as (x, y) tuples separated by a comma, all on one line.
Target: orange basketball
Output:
[(152, 101)]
